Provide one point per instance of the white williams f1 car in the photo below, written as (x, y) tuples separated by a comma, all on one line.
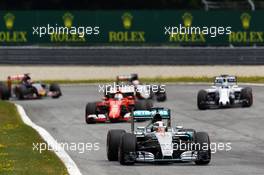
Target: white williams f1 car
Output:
[(224, 93), (158, 141)]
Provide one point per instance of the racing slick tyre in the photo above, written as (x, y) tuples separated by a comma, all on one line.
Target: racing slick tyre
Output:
[(127, 149), (161, 94), (201, 100), (247, 97), (161, 97), (21, 91), (4, 92), (90, 109), (203, 147), (143, 105), (55, 88), (113, 141), (32, 91)]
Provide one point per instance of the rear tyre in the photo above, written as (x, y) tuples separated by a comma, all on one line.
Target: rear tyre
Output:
[(247, 97), (161, 97), (89, 110), (21, 91), (143, 105), (127, 149), (202, 99), (204, 152), (55, 88), (4, 92), (113, 141), (161, 94)]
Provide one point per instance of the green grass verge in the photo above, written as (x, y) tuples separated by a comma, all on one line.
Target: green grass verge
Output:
[(16, 147), (252, 79)]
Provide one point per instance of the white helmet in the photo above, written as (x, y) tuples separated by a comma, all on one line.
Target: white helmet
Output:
[(118, 96), (159, 126), (135, 82)]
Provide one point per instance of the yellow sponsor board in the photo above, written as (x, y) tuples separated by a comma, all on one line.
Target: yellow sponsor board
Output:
[(187, 38), (192, 38), (66, 37), (127, 35), (56, 37), (10, 35), (246, 36)]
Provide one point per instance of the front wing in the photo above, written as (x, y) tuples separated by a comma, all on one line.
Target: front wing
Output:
[(101, 118)]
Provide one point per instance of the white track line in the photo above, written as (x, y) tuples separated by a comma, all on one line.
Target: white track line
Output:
[(61, 153)]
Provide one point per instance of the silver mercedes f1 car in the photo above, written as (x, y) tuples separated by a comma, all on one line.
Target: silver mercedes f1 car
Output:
[(158, 141), (224, 93)]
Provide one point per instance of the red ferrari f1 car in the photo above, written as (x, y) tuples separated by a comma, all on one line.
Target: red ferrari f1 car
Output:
[(115, 107), (26, 89)]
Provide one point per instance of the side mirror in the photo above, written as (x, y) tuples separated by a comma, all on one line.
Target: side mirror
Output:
[(140, 128), (148, 130)]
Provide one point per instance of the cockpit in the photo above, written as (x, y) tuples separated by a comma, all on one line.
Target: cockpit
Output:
[(225, 81)]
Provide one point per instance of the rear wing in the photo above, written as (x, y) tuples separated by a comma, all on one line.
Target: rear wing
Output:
[(12, 78), (122, 89), (16, 77), (130, 77), (144, 114), (149, 115)]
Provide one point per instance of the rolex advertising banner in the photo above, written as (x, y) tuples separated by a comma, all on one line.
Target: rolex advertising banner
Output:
[(195, 28)]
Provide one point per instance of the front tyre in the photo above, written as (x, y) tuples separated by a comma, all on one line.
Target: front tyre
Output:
[(113, 141), (203, 147), (127, 149), (55, 89), (202, 100), (247, 97), (90, 110)]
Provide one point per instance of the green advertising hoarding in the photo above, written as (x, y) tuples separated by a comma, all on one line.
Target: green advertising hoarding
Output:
[(131, 27)]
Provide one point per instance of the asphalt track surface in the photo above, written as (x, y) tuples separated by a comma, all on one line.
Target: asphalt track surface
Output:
[(242, 127)]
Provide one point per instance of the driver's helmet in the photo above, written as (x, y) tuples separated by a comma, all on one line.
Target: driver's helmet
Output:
[(118, 96), (159, 126), (26, 79), (135, 82), (225, 83), (157, 117)]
